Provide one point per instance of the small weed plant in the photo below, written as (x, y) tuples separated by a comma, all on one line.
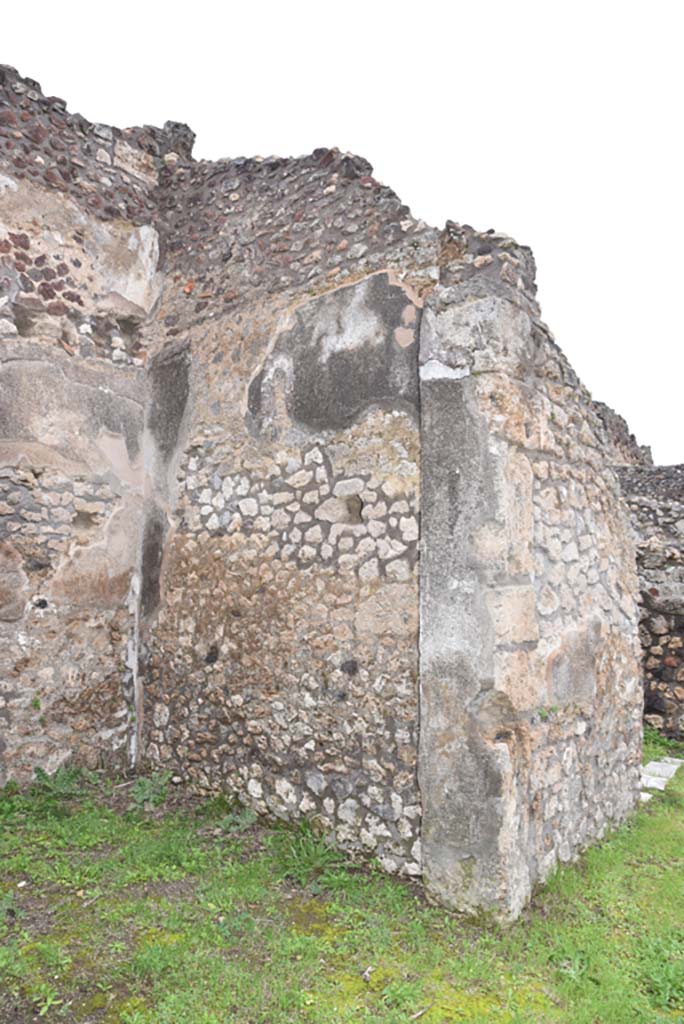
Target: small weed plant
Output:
[(303, 854), (150, 791)]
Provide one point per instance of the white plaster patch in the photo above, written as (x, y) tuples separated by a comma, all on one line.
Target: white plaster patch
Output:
[(133, 279), (114, 449), (433, 369), (7, 184), (359, 327)]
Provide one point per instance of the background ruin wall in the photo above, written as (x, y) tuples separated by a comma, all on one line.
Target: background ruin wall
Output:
[(302, 502), (655, 495), (655, 498)]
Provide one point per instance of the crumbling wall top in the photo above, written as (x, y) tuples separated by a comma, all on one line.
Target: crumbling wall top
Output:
[(623, 447), (663, 483), (238, 230), (109, 170)]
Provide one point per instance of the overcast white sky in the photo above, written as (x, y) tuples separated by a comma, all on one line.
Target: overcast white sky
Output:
[(559, 124)]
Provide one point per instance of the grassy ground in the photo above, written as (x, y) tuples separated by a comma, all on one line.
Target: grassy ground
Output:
[(128, 906)]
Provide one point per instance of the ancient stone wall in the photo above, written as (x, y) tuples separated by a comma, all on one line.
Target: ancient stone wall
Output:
[(622, 447), (78, 275), (287, 668), (303, 503), (655, 497), (530, 696), (656, 500)]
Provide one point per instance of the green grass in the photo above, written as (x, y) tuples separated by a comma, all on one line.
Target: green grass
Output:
[(656, 745), (123, 905)]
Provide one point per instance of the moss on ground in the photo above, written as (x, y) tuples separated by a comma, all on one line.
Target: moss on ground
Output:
[(123, 910)]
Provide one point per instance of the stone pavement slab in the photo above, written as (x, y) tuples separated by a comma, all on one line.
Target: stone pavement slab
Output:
[(660, 768), (653, 782)]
